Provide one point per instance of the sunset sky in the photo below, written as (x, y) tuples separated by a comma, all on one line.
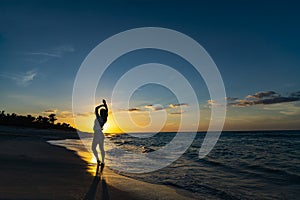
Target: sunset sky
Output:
[(255, 45)]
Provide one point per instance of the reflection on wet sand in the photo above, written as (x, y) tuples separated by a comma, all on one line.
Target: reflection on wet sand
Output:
[(95, 170), (92, 166), (92, 193)]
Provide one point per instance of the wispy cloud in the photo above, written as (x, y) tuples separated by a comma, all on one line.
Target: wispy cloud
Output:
[(49, 111), (156, 107), (66, 113), (289, 109), (87, 114), (211, 102), (177, 112), (64, 49), (60, 114), (21, 79), (177, 105), (264, 98), (133, 110), (56, 52), (44, 54)]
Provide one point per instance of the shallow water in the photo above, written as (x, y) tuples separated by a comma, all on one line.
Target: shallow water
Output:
[(242, 165)]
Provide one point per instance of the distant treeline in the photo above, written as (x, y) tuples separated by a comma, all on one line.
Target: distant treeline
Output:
[(31, 121)]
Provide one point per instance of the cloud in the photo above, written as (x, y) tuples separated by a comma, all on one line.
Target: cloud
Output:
[(44, 54), (82, 114), (211, 102), (231, 98), (28, 77), (291, 112), (50, 111), (289, 109), (240, 103), (65, 114), (56, 52), (177, 112), (64, 49), (264, 98), (21, 79), (134, 110), (218, 103), (177, 105), (154, 107), (260, 95)]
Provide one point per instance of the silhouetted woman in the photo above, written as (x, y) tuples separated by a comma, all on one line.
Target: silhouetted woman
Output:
[(98, 134)]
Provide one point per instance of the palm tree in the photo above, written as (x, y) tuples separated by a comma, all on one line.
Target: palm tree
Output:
[(52, 118), (39, 119), (45, 120), (65, 125), (29, 119), (2, 115)]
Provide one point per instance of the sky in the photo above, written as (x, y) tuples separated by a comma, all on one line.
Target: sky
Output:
[(254, 44)]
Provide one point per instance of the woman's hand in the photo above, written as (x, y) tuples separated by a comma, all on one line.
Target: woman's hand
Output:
[(104, 102)]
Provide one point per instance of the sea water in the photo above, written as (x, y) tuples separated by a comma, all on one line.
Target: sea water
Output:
[(242, 165)]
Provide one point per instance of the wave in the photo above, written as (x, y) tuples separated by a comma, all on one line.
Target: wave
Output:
[(242, 165)]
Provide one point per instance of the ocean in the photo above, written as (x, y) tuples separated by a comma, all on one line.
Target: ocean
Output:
[(242, 165)]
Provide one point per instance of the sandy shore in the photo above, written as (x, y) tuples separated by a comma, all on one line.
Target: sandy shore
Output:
[(31, 168)]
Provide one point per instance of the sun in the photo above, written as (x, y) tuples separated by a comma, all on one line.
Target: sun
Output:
[(111, 127)]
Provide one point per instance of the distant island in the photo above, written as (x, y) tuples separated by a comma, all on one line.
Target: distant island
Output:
[(40, 122)]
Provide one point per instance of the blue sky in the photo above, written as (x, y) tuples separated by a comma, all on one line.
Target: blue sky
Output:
[(255, 45)]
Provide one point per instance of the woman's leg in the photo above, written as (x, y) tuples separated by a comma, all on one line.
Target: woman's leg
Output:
[(101, 147), (94, 146)]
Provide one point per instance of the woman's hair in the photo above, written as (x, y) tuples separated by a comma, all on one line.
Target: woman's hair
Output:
[(103, 114)]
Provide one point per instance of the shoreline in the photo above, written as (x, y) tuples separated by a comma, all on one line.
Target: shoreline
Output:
[(31, 168), (135, 188)]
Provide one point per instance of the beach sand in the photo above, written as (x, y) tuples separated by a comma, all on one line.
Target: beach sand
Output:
[(31, 168)]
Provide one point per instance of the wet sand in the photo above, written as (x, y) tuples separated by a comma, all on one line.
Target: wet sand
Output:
[(30, 168)]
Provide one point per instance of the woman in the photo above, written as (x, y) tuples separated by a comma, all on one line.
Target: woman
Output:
[(98, 134)]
